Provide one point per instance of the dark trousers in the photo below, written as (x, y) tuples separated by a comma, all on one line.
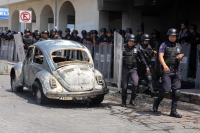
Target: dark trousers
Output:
[(171, 81), (126, 74), (144, 75)]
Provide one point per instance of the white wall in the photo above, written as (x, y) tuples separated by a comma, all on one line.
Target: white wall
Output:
[(3, 23)]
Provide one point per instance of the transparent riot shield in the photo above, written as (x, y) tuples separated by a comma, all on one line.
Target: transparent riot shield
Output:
[(15, 53), (19, 47), (12, 50), (108, 61), (184, 64), (197, 80), (2, 49), (96, 57), (6, 50), (118, 50), (102, 59), (9, 50)]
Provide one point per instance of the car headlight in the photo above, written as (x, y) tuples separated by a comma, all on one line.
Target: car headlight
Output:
[(53, 83), (100, 80)]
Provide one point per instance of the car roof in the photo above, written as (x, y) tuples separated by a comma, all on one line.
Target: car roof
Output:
[(54, 45)]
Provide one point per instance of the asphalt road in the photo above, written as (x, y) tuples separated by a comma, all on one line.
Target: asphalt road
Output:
[(19, 113)]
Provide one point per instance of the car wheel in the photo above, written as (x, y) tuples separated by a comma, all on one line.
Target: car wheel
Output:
[(39, 94), (13, 85), (98, 100)]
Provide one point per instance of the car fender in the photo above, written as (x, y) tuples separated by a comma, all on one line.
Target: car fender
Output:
[(17, 70), (44, 78), (98, 86)]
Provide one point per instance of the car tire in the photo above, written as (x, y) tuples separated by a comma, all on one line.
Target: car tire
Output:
[(39, 94), (15, 88), (98, 100)]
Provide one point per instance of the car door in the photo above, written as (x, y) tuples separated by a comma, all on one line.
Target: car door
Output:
[(26, 66)]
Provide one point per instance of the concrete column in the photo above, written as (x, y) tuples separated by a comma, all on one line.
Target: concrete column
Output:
[(103, 19)]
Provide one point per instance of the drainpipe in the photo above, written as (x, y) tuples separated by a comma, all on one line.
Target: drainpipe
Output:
[(56, 16)]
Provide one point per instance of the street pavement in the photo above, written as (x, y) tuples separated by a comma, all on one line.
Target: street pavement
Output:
[(19, 113)]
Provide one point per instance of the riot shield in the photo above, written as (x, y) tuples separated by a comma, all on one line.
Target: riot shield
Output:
[(2, 49), (19, 47), (197, 80), (6, 50), (102, 55), (118, 50), (96, 57), (184, 64), (11, 50), (108, 61)]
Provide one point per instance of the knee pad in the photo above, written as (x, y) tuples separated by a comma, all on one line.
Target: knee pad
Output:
[(149, 77), (177, 93)]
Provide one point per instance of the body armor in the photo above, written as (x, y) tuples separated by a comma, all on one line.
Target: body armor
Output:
[(147, 53), (130, 58), (170, 55), (28, 41)]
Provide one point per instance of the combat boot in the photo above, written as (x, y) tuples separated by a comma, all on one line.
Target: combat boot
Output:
[(132, 102), (155, 105), (174, 113), (123, 103)]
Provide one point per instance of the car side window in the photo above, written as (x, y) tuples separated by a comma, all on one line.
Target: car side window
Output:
[(29, 53), (38, 57)]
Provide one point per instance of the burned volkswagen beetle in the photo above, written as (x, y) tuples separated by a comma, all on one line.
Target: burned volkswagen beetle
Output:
[(61, 70)]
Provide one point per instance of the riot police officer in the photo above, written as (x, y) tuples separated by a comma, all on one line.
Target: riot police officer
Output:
[(53, 34), (83, 39), (183, 32), (110, 38), (75, 36), (193, 38), (59, 34), (88, 38), (140, 32), (37, 37), (103, 38), (128, 32), (27, 39), (131, 53), (45, 36), (170, 55), (147, 52), (67, 36)]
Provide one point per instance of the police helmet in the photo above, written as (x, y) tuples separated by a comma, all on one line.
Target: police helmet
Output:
[(53, 30), (27, 30), (145, 37), (103, 30), (37, 33), (88, 34), (59, 32), (193, 26), (172, 31), (94, 32), (131, 37), (154, 32), (45, 32), (118, 31), (185, 23), (140, 29), (67, 30), (75, 32), (83, 32), (109, 31), (129, 30)]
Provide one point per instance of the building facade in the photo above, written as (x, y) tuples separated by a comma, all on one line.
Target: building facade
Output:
[(95, 14)]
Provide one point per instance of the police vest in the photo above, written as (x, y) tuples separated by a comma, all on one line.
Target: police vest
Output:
[(170, 55), (130, 58), (147, 53), (27, 41)]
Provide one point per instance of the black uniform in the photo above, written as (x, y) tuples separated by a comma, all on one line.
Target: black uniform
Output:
[(130, 61), (28, 41), (76, 39), (68, 37), (103, 38), (170, 80), (138, 38), (44, 39)]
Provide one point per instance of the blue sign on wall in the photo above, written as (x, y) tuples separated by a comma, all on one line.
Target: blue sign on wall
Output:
[(4, 13)]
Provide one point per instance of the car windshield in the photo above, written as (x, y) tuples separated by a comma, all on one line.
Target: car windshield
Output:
[(70, 57)]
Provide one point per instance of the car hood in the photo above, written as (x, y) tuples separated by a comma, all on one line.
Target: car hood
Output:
[(76, 78)]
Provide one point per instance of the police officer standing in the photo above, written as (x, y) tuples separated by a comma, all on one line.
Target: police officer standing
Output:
[(183, 32), (140, 32), (45, 36), (103, 38), (148, 53), (83, 39), (53, 33), (27, 39), (75, 36), (131, 53), (37, 37), (67, 36), (170, 55), (59, 34)]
